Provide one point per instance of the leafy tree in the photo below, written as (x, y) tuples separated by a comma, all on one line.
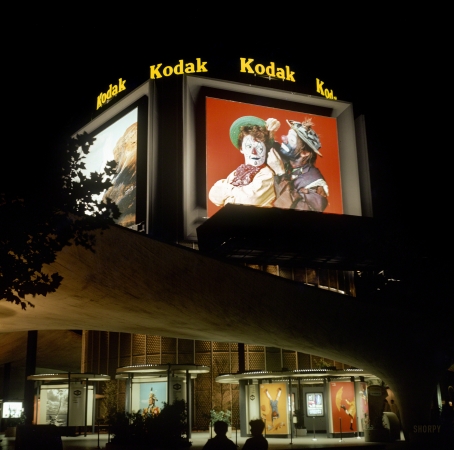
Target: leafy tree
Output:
[(35, 228), (168, 429), (109, 404)]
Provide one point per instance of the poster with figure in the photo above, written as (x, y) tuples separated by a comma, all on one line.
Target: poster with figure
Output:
[(152, 397), (118, 142), (314, 404), (271, 157), (12, 409), (343, 406), (362, 404), (57, 407), (55, 401), (274, 408)]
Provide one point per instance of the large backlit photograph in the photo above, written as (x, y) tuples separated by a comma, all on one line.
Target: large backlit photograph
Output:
[(343, 406), (274, 408), (314, 404), (118, 142), (271, 157), (153, 396), (12, 409), (56, 407)]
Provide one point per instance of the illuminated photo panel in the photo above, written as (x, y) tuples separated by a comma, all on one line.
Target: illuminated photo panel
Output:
[(118, 142), (314, 404), (55, 407), (343, 406), (303, 151), (12, 409), (152, 397), (274, 408)]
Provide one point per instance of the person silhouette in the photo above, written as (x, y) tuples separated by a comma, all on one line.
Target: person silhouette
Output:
[(257, 441), (220, 441)]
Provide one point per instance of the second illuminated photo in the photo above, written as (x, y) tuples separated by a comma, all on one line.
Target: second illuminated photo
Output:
[(271, 157)]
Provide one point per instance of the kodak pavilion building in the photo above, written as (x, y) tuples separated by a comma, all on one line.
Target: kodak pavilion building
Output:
[(242, 272)]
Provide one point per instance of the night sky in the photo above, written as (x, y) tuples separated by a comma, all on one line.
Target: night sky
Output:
[(59, 72)]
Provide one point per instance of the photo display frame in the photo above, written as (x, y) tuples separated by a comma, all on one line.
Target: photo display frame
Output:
[(202, 139), (274, 406), (315, 404), (224, 161), (121, 134)]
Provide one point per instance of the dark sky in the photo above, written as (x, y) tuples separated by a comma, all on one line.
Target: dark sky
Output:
[(57, 71)]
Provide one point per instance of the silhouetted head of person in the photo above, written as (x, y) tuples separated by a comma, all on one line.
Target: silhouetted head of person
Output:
[(257, 427), (220, 428)]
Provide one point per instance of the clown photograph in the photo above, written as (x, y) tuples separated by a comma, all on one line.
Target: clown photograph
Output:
[(271, 157)]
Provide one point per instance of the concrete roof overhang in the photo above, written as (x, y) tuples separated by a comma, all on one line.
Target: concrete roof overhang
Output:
[(56, 349), (134, 284)]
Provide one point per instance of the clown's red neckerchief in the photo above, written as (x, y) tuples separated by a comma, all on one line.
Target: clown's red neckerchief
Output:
[(245, 173)]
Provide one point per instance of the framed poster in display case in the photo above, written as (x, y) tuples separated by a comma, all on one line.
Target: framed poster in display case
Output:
[(12, 409), (214, 111), (225, 160), (274, 408), (120, 134), (343, 406), (314, 404)]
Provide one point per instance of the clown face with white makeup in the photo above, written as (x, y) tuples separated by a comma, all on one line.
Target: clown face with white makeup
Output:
[(252, 183), (254, 151)]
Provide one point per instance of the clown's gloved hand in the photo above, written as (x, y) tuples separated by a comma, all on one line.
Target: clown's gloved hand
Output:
[(272, 124), (275, 162)]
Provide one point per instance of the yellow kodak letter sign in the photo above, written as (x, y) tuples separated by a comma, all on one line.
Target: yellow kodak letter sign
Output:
[(179, 69), (325, 92), (114, 90), (271, 70)]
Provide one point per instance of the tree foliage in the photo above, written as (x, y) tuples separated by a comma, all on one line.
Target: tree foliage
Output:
[(34, 228), (109, 404), (168, 429)]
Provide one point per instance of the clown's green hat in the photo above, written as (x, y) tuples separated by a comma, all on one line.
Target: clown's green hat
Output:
[(241, 122)]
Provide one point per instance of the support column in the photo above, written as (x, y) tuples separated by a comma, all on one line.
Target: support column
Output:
[(128, 400), (241, 359), (30, 369), (242, 398), (189, 405)]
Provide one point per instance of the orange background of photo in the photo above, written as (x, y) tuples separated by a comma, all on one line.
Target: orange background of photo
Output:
[(222, 157)]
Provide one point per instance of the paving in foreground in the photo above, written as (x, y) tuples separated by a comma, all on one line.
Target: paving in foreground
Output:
[(199, 439)]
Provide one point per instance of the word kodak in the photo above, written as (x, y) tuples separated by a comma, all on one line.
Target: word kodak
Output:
[(179, 69), (271, 70), (325, 92), (112, 92)]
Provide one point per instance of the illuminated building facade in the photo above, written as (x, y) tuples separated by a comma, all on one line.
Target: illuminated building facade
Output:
[(104, 352), (167, 136)]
